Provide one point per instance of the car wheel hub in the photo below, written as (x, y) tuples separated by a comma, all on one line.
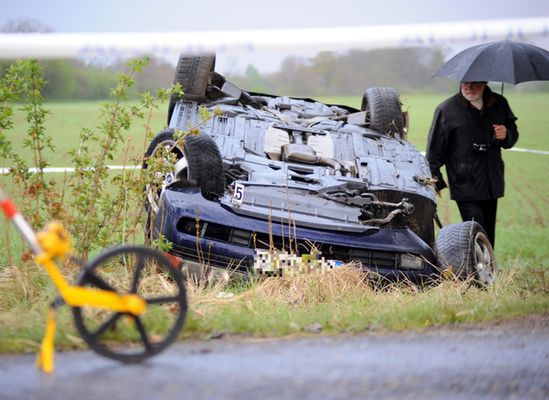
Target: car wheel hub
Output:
[(484, 260), (180, 171)]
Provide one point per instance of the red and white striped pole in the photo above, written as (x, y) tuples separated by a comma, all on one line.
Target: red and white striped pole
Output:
[(9, 209)]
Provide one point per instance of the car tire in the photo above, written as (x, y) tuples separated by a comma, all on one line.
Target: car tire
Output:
[(464, 250), (383, 110), (193, 74), (198, 164)]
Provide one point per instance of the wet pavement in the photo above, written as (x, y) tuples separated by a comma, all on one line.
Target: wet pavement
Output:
[(509, 360)]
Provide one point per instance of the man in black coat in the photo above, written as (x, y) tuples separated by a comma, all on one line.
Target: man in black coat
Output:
[(467, 134)]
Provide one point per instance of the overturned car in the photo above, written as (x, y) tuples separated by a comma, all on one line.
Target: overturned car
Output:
[(297, 175)]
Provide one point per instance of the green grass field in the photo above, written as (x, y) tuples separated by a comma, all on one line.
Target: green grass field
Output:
[(67, 120), (522, 216), (342, 303)]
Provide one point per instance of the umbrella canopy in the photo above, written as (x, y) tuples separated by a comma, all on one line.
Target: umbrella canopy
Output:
[(502, 61)]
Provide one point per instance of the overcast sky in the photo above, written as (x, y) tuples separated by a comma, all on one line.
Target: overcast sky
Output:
[(180, 15)]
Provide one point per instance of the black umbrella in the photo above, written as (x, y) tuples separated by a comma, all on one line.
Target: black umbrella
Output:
[(501, 61)]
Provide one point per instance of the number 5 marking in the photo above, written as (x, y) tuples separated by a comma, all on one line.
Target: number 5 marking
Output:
[(238, 193)]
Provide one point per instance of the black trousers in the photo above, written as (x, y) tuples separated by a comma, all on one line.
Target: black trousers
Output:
[(483, 212)]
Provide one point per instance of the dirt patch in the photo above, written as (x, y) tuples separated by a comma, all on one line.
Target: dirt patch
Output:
[(530, 323)]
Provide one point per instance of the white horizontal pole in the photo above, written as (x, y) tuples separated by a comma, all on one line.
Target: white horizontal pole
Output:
[(531, 151), (70, 45), (50, 170)]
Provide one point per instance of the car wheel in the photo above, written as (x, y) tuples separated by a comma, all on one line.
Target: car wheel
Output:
[(197, 162), (193, 74), (383, 110), (465, 250)]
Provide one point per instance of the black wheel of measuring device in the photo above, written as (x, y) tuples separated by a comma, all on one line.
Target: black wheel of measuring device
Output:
[(123, 336)]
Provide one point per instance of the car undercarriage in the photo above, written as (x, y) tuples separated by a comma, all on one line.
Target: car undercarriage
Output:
[(275, 172)]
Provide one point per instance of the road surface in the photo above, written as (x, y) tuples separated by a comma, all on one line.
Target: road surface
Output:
[(495, 361)]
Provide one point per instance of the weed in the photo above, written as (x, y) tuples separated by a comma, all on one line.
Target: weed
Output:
[(339, 301), (101, 207)]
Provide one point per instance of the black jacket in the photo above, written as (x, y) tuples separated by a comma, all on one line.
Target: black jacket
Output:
[(462, 138)]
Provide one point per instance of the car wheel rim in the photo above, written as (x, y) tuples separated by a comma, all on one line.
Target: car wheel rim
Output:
[(180, 171), (484, 260)]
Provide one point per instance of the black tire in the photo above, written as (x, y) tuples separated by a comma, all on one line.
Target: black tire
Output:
[(383, 110), (198, 164), (464, 250), (124, 336), (193, 74)]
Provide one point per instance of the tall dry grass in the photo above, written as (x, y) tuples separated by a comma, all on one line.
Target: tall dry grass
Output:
[(339, 301), (342, 300)]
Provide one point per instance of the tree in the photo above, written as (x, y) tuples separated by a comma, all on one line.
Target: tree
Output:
[(25, 25)]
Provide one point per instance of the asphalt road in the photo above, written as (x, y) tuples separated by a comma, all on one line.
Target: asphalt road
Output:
[(496, 361)]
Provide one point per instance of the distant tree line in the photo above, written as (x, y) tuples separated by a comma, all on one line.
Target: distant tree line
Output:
[(75, 79), (351, 73), (328, 74)]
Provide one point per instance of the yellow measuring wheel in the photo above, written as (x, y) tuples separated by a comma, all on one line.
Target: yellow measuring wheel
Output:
[(129, 303)]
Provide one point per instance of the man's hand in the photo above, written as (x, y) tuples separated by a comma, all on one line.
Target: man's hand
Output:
[(500, 131)]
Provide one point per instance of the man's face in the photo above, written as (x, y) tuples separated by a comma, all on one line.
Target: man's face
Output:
[(472, 91)]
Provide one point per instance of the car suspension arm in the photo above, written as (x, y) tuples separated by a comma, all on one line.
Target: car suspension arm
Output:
[(404, 207)]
